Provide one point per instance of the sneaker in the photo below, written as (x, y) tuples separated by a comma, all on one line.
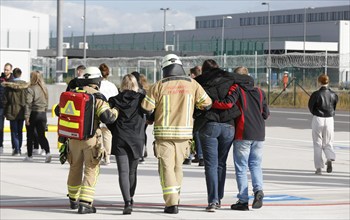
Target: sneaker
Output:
[(258, 199), (48, 158), (42, 153), (86, 209), (318, 171), (211, 207), (36, 151), (1, 150), (201, 163), (241, 206), (329, 166), (187, 161), (16, 153), (28, 159)]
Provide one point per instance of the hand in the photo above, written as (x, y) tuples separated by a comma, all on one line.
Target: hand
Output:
[(149, 122), (100, 153), (27, 122)]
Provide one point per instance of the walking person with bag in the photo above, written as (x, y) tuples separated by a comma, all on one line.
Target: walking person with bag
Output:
[(85, 150)]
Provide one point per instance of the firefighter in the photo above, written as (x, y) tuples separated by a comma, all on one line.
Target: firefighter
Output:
[(84, 156), (172, 100)]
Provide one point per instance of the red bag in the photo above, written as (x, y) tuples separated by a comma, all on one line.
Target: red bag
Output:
[(76, 119)]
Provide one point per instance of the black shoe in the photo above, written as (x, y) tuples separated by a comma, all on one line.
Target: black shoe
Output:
[(211, 207), (258, 199), (132, 203), (187, 162), (171, 209), (329, 166), (241, 206), (73, 204), (127, 208), (201, 163), (195, 160), (86, 209)]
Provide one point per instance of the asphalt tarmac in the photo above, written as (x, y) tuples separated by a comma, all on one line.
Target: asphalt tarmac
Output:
[(37, 190)]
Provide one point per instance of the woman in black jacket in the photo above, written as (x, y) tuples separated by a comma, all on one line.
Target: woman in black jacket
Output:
[(128, 137), (322, 105)]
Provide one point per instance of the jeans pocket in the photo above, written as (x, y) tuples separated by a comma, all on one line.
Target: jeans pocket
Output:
[(209, 130)]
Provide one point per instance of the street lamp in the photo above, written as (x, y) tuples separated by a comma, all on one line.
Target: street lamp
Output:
[(71, 37), (269, 55), (305, 20), (174, 37), (84, 17), (222, 37), (164, 25), (38, 31)]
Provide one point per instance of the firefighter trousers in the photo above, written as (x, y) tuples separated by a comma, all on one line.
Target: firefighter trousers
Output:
[(84, 168), (171, 154)]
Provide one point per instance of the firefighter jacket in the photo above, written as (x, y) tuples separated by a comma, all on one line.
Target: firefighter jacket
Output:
[(14, 99), (173, 100)]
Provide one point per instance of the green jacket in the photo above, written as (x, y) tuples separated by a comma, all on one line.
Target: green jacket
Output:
[(14, 99)]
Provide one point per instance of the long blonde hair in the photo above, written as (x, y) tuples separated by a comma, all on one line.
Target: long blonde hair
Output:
[(37, 79), (129, 83)]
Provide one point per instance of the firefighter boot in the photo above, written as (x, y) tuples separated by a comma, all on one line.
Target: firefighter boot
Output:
[(85, 208)]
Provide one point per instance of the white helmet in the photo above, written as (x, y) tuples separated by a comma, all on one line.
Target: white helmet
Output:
[(91, 73), (170, 59)]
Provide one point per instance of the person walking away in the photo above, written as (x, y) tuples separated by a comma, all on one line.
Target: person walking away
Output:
[(249, 138), (216, 129), (35, 115), (5, 76), (74, 83), (14, 104), (128, 137), (322, 105), (172, 100), (108, 89), (84, 156)]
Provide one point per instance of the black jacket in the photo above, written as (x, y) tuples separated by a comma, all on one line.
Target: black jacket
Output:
[(217, 83), (130, 125), (251, 101), (323, 102)]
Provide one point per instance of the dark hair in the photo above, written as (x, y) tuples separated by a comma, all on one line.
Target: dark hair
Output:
[(208, 65), (17, 72), (104, 70), (81, 67), (196, 71)]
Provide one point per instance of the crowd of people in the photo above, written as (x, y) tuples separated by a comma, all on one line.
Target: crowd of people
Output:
[(196, 118)]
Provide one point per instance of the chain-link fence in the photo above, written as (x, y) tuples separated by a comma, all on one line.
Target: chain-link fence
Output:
[(304, 67)]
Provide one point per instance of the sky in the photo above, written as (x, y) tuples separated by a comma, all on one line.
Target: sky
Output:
[(131, 16)]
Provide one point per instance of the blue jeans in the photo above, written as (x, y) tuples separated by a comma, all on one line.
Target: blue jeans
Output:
[(2, 120), (16, 127), (248, 154), (216, 139), (197, 141)]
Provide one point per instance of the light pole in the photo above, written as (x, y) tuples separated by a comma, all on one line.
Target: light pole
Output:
[(222, 38), (84, 17), (37, 17), (305, 20), (269, 54), (164, 25), (174, 35), (71, 37)]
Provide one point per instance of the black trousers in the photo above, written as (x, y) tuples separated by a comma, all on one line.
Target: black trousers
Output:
[(127, 171), (37, 121)]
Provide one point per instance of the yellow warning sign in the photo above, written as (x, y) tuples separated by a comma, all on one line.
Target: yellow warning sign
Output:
[(69, 109)]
